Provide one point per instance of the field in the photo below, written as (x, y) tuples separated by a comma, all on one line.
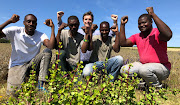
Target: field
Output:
[(129, 55)]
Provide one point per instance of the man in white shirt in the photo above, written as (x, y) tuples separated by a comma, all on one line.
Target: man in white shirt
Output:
[(26, 44)]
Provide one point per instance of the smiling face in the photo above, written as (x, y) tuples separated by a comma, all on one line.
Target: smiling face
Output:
[(87, 20), (104, 29), (30, 23), (73, 24), (144, 24)]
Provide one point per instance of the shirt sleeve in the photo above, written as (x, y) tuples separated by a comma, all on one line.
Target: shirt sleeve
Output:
[(10, 32), (59, 23), (43, 37)]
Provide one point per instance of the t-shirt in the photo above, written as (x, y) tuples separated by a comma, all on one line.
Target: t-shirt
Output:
[(151, 49), (71, 45), (101, 50), (24, 47)]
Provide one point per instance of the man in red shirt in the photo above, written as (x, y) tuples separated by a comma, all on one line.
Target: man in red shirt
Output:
[(152, 47)]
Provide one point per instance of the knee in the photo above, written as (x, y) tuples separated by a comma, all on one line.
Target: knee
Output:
[(144, 71), (88, 70), (119, 60), (47, 51)]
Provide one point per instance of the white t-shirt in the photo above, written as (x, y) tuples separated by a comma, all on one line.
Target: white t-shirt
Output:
[(24, 47)]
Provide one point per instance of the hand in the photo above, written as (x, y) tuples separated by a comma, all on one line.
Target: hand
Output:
[(49, 23), (14, 18), (150, 10), (88, 29), (114, 28), (59, 15), (62, 26), (115, 18), (124, 20)]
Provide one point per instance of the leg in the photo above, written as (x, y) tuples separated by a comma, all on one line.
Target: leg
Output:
[(42, 61), (88, 69), (131, 70), (113, 66), (16, 77), (154, 72)]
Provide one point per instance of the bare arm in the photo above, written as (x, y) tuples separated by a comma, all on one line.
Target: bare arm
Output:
[(63, 25), (123, 41), (13, 19), (50, 43), (88, 44), (59, 16), (165, 31)]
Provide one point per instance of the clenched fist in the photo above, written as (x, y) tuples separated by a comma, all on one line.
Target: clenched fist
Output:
[(14, 18), (49, 23), (59, 15), (150, 10), (124, 20)]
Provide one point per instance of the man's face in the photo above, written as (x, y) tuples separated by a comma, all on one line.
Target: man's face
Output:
[(144, 24), (104, 29), (87, 20), (73, 25), (30, 23)]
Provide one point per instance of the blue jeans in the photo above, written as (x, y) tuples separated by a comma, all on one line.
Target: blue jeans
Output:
[(113, 66)]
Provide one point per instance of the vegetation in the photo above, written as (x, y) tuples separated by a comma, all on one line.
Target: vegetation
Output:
[(65, 87)]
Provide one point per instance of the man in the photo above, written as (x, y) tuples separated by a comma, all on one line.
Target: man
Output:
[(101, 46), (152, 47), (26, 43), (88, 19), (71, 42)]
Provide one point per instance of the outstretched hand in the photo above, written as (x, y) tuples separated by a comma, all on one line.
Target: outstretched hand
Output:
[(14, 18), (59, 15), (150, 10), (124, 20)]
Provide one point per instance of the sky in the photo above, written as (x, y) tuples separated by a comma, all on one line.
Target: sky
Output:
[(166, 10)]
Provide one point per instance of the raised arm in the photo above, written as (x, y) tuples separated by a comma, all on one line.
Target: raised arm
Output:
[(165, 31), (50, 43), (114, 28), (62, 26), (88, 44), (123, 41), (13, 19), (59, 16)]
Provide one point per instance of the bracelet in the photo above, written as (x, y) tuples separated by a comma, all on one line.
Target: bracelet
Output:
[(85, 40)]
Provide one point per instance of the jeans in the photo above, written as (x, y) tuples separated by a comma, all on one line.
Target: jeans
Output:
[(112, 66), (152, 73)]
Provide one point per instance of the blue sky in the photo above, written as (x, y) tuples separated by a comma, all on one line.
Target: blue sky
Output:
[(167, 10)]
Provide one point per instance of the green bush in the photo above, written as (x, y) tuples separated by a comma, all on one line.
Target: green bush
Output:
[(4, 41)]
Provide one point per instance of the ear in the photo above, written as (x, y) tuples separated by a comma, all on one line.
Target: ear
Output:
[(24, 22)]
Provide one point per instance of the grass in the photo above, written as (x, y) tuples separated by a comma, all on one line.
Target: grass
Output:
[(129, 55)]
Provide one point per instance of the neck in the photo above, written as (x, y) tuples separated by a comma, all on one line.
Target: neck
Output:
[(29, 32), (73, 34), (104, 39), (146, 33)]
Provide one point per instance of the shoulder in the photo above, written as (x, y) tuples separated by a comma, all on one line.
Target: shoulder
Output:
[(14, 28)]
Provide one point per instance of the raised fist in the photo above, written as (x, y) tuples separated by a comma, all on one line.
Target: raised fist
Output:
[(124, 20), (88, 29), (59, 15), (114, 17), (49, 22), (150, 10), (14, 18)]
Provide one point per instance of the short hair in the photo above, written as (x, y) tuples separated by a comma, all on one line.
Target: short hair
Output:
[(31, 15), (105, 22), (146, 15), (73, 17), (89, 13)]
